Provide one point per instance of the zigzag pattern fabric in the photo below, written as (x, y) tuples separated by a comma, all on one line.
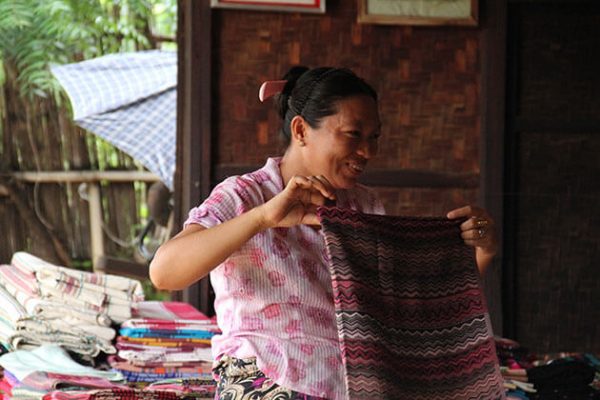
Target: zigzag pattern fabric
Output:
[(410, 312)]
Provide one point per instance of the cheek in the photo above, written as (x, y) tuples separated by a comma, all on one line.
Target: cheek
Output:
[(374, 147)]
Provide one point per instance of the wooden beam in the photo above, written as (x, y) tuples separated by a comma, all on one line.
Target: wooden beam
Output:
[(194, 124), (121, 267), (384, 177), (493, 97), (82, 176), (96, 222), (555, 125)]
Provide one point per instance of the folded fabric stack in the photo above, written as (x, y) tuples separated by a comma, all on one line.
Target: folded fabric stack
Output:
[(553, 376), (45, 303), (37, 373), (167, 341), (48, 373)]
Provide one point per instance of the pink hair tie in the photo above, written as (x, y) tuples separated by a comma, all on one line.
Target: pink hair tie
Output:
[(270, 89)]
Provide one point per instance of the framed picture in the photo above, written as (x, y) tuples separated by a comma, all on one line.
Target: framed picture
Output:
[(418, 12), (313, 6)]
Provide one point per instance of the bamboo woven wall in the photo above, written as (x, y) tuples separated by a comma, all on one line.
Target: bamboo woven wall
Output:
[(50, 219), (427, 79)]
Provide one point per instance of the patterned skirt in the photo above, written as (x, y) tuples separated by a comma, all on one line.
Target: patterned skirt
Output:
[(240, 379)]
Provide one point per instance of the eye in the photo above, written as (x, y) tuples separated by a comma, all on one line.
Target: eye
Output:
[(353, 134), (375, 137)]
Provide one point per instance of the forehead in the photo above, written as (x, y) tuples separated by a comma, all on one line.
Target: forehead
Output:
[(361, 110)]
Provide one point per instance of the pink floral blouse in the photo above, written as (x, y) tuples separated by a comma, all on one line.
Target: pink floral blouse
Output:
[(273, 297)]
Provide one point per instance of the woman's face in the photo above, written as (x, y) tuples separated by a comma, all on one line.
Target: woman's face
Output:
[(340, 147)]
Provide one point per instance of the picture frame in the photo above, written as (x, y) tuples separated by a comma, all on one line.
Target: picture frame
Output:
[(419, 12), (308, 6)]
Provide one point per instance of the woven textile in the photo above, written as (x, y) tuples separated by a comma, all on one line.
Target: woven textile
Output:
[(410, 312)]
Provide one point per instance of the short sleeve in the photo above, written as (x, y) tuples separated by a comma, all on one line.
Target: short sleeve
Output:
[(229, 199)]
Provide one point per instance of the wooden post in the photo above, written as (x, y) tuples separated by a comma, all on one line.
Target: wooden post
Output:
[(193, 173), (493, 78), (97, 238)]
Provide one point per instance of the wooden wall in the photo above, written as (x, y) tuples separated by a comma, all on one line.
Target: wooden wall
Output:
[(553, 190), (430, 84), (51, 219)]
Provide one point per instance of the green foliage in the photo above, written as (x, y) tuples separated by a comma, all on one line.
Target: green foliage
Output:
[(37, 33), (151, 293)]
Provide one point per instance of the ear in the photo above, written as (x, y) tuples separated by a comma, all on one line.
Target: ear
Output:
[(298, 129)]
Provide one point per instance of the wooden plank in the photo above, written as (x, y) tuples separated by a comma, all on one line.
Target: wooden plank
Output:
[(510, 175), (493, 60), (118, 266), (194, 124), (97, 237), (83, 176), (384, 177), (551, 125), (46, 143)]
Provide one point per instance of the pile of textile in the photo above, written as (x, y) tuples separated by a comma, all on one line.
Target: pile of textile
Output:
[(168, 344), (36, 373), (561, 376), (48, 373), (44, 303)]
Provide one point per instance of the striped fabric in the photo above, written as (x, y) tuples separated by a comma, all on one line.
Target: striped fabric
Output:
[(411, 316), (115, 296), (111, 394)]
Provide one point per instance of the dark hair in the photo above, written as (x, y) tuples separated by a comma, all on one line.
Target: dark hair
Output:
[(313, 94)]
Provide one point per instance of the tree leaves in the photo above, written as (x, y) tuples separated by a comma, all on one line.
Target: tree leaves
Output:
[(37, 33)]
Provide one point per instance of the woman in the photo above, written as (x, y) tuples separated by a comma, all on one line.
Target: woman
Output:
[(257, 235)]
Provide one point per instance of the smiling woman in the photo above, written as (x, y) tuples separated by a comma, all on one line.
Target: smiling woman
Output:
[(258, 236)]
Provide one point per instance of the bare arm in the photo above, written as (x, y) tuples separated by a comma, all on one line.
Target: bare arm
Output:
[(195, 251)]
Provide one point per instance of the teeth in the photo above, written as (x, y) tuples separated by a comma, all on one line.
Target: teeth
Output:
[(357, 167)]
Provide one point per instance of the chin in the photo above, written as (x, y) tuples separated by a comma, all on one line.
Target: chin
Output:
[(346, 183)]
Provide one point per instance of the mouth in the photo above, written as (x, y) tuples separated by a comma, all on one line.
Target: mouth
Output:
[(356, 168)]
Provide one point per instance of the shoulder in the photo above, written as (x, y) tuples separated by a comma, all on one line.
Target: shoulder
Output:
[(237, 194), (250, 186)]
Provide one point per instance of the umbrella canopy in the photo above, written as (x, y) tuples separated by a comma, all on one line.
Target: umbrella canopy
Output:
[(128, 99)]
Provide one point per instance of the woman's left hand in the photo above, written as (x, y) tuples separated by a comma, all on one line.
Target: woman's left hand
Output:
[(478, 231)]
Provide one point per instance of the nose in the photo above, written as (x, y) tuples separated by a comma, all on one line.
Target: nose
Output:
[(368, 148)]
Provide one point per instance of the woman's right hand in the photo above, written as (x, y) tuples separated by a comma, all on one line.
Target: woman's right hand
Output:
[(298, 202)]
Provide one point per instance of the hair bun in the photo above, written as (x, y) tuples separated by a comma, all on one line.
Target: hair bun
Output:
[(291, 77)]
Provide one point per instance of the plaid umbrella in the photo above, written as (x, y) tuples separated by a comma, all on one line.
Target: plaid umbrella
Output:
[(129, 99)]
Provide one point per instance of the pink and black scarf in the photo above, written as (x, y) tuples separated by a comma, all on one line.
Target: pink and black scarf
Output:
[(411, 316)]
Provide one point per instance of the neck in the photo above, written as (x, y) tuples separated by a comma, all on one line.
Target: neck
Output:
[(292, 164)]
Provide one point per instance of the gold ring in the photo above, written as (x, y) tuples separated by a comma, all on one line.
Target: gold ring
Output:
[(482, 222), (481, 232)]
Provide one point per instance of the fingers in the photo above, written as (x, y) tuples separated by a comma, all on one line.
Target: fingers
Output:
[(324, 186), (475, 234), (310, 216), (317, 189), (478, 229), (466, 211), (478, 218)]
